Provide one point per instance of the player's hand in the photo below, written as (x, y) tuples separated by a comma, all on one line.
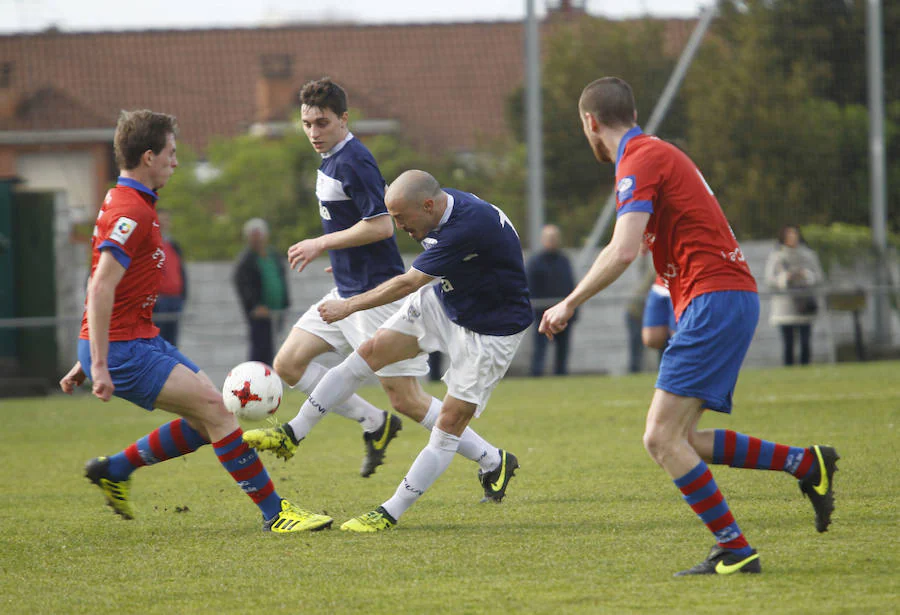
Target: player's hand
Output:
[(103, 386), (75, 378), (302, 253), (260, 311), (556, 319), (334, 310)]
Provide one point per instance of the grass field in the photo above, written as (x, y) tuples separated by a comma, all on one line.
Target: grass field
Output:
[(590, 524)]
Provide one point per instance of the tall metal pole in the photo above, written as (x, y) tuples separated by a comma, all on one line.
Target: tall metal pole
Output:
[(877, 173), (656, 118), (534, 137)]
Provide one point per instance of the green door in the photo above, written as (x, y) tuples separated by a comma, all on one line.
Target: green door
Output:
[(7, 298), (34, 264)]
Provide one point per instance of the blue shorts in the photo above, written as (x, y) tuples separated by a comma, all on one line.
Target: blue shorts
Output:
[(705, 354), (658, 311), (139, 368)]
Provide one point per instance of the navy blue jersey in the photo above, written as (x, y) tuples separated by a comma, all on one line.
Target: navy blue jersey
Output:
[(476, 251), (350, 188)]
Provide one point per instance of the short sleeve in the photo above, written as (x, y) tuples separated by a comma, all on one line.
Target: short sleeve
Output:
[(363, 183), (122, 230), (638, 178)]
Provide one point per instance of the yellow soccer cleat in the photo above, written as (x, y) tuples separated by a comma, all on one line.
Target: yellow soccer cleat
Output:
[(376, 521), (294, 519), (116, 492), (277, 440)]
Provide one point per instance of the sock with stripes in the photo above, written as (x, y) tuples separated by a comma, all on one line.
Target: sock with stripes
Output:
[(703, 496), (248, 471), (168, 441), (741, 451)]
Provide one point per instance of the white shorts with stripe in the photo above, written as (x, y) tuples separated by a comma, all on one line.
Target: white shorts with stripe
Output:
[(477, 361), (347, 335)]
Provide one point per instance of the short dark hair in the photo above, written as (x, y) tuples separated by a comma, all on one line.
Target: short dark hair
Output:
[(782, 234), (324, 94), (610, 100), (139, 131)]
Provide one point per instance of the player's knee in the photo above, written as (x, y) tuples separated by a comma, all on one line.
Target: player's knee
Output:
[(289, 371), (656, 443)]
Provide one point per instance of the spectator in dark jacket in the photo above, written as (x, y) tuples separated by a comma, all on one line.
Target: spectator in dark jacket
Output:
[(549, 279), (262, 288), (173, 287)]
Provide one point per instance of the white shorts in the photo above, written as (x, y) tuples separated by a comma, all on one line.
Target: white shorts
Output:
[(477, 361), (347, 335)]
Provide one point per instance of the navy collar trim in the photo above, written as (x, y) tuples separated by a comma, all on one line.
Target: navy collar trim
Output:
[(625, 139), (136, 185)]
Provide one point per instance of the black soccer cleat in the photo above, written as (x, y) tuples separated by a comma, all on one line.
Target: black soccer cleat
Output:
[(116, 492), (819, 487), (496, 481), (376, 443), (722, 561)]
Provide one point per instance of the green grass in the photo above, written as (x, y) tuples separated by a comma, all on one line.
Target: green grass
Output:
[(590, 523)]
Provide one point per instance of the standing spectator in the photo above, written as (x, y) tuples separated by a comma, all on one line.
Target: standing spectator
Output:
[(262, 288), (791, 267), (549, 279), (173, 286)]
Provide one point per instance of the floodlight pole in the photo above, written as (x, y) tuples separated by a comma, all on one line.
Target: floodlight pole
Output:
[(656, 118), (881, 334), (534, 137)]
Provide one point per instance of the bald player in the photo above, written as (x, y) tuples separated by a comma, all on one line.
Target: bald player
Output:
[(477, 314)]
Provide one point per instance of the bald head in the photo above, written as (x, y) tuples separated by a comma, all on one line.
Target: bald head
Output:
[(416, 202), (415, 186)]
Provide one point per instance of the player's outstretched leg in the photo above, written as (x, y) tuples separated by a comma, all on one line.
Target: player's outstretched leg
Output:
[(496, 467), (113, 474), (814, 467)]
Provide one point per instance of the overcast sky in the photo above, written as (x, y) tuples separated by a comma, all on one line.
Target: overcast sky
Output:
[(80, 15)]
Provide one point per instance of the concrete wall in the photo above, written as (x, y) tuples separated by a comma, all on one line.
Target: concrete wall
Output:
[(214, 334)]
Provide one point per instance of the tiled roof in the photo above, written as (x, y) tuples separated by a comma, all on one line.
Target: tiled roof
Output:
[(445, 84)]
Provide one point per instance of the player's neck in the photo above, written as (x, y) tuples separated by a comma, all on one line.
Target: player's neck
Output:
[(612, 138), (137, 176)]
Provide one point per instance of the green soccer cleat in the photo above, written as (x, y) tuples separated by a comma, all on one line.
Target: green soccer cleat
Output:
[(277, 440), (294, 519), (376, 443), (722, 561), (376, 521), (115, 491), (496, 481), (821, 491)]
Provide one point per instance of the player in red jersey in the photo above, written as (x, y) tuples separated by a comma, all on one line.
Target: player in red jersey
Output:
[(121, 348), (663, 201)]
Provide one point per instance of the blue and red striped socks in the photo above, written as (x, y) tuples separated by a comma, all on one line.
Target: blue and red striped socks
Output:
[(703, 496), (166, 442), (248, 471), (741, 451)]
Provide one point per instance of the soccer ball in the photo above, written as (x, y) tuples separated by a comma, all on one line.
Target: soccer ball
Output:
[(252, 391)]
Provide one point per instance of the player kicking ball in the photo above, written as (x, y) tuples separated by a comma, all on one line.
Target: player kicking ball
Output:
[(122, 350), (663, 201), (477, 314)]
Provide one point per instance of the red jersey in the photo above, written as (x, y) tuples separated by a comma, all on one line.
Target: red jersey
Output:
[(694, 250), (128, 227)]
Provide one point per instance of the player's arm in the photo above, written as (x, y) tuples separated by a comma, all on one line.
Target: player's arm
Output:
[(362, 233), (611, 263), (386, 292), (101, 296)]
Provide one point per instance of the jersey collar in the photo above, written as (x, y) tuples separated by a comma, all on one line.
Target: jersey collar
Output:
[(136, 185), (625, 139), (447, 211), (334, 150)]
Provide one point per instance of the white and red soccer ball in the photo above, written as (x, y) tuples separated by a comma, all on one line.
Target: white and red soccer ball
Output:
[(252, 391)]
